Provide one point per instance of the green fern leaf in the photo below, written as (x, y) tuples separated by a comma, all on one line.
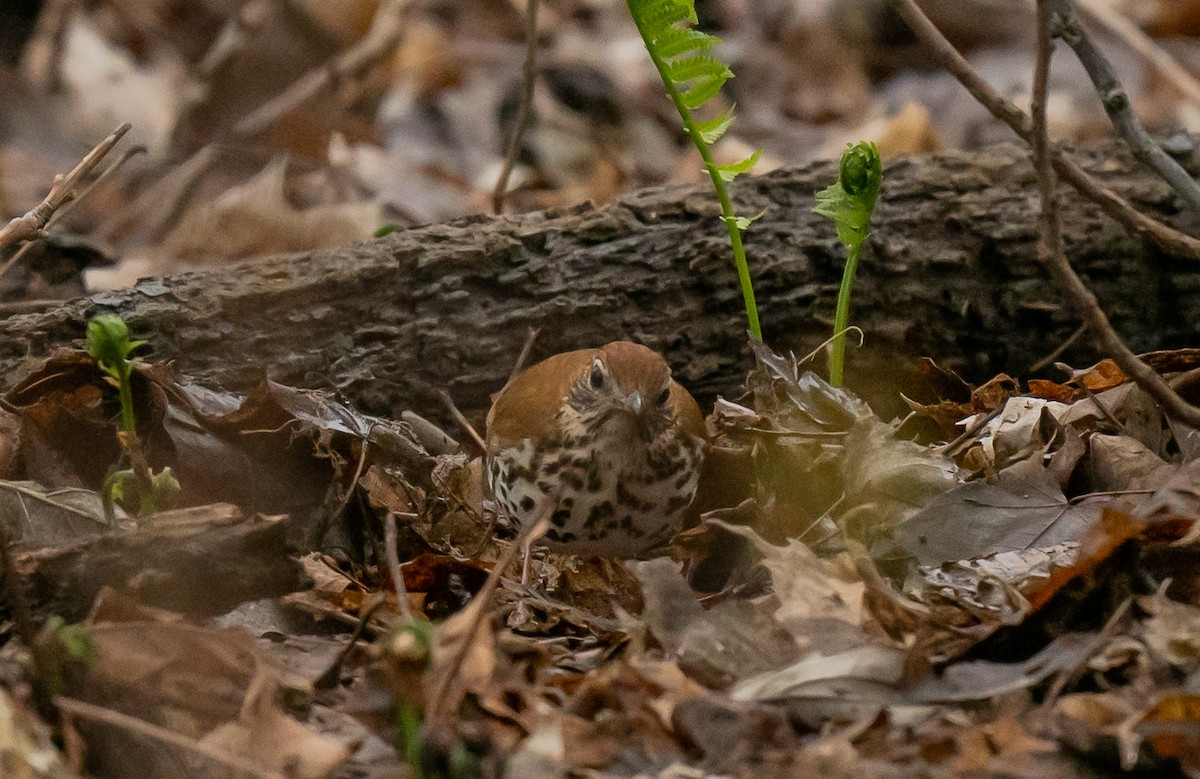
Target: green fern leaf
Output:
[(731, 170), (712, 129), (698, 95), (742, 223), (673, 41), (660, 14), (691, 68), (691, 77)]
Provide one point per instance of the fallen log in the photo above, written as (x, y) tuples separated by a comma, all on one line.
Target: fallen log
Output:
[(949, 272)]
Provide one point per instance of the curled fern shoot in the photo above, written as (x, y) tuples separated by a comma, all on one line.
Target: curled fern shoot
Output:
[(850, 203), (690, 76)]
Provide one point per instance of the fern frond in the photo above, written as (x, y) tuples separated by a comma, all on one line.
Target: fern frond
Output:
[(691, 78), (673, 41), (711, 130), (731, 170), (661, 14), (690, 68)]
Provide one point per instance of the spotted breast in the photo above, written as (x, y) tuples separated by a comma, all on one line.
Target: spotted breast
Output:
[(607, 439)]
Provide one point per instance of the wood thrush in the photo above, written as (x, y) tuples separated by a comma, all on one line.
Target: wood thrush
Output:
[(607, 438)]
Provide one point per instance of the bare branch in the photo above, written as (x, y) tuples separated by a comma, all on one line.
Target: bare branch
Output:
[(1052, 252), (30, 226), (1105, 15), (528, 79), (1118, 208), (379, 42), (1117, 105)]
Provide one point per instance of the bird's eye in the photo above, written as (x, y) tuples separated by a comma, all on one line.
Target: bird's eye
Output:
[(664, 396), (597, 377)]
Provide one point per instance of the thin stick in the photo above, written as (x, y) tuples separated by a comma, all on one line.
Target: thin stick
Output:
[(1052, 252), (1058, 350), (460, 419), (235, 37), (1118, 208), (379, 42), (523, 357), (1117, 104), (524, 108), (329, 677), (158, 205), (100, 179), (530, 532), (30, 226), (116, 719), (951, 448), (390, 539), (1133, 36)]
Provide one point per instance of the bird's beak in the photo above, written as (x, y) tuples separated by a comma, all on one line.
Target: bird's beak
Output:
[(634, 402)]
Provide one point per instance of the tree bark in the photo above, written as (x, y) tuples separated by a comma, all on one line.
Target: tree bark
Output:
[(949, 272)]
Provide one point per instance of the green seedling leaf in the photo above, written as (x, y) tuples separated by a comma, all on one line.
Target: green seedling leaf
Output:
[(74, 638), (108, 341), (850, 203)]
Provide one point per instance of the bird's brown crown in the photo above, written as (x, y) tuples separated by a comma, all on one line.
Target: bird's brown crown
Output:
[(529, 405)]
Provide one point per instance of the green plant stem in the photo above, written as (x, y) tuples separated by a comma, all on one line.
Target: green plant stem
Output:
[(125, 389), (727, 213), (841, 319)]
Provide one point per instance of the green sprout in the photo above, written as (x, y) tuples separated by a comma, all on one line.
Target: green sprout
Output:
[(109, 345), (850, 203), (60, 645), (691, 76)]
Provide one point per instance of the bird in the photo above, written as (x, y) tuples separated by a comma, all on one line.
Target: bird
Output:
[(604, 442)]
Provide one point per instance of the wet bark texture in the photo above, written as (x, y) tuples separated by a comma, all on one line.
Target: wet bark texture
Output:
[(949, 272)]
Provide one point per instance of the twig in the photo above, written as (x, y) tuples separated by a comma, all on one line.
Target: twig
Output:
[(1111, 20), (530, 532), (1052, 252), (234, 38), (100, 179), (116, 719), (381, 39), (1118, 208), (1058, 350), (1092, 396), (462, 420), (524, 108), (329, 677), (523, 357), (30, 226), (41, 61), (176, 186), (390, 535), (1115, 99)]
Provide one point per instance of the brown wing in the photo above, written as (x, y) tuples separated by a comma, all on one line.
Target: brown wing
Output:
[(687, 411), (527, 405)]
